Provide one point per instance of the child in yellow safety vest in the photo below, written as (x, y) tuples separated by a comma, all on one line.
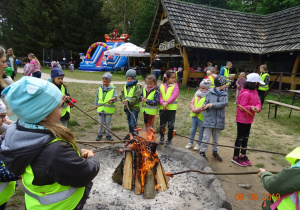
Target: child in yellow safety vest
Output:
[(55, 173), (150, 101), (57, 77), (265, 77), (105, 103), (168, 105), (130, 97), (197, 113)]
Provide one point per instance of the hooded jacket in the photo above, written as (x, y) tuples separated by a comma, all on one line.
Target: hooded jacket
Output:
[(247, 99), (105, 90), (57, 162), (215, 117)]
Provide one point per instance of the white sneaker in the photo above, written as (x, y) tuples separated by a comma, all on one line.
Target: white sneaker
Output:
[(197, 147), (189, 146)]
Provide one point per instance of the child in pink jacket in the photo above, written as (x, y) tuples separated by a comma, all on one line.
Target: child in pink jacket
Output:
[(248, 99), (168, 99)]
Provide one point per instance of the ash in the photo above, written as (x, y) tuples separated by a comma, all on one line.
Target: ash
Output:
[(185, 191)]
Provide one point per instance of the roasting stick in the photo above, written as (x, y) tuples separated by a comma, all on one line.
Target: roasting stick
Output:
[(94, 109), (217, 173), (94, 119)]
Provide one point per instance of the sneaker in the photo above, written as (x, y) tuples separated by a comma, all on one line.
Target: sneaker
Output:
[(203, 155), (168, 142), (197, 147), (99, 137), (238, 161), (109, 138), (246, 160), (217, 157), (189, 146), (162, 140)]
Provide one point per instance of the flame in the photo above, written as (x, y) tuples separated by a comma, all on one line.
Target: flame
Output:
[(142, 146)]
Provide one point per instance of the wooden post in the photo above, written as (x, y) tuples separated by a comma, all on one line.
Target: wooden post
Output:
[(293, 76), (168, 64), (127, 171), (186, 67)]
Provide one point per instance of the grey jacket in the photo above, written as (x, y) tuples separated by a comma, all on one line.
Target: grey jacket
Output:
[(215, 117), (105, 89)]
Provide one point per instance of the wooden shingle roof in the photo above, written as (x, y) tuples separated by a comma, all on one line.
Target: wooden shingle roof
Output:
[(199, 26)]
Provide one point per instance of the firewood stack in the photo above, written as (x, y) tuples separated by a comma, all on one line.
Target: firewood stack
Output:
[(141, 168)]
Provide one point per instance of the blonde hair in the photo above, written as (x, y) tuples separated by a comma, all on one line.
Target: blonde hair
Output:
[(242, 74), (151, 77), (35, 58), (212, 70), (2, 53), (12, 52), (209, 64), (59, 131), (264, 66)]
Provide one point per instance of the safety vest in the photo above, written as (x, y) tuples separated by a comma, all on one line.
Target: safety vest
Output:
[(166, 96), (103, 105), (130, 94), (197, 105), (7, 189), (288, 201), (263, 77), (226, 74), (65, 106), (152, 110), (52, 196), (212, 79)]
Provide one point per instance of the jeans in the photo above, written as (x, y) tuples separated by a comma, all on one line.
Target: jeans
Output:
[(131, 120), (37, 74), (243, 132), (194, 125), (104, 119), (156, 73), (206, 136)]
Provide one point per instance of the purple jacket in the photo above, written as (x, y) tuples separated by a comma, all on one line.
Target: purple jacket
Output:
[(247, 99), (240, 82)]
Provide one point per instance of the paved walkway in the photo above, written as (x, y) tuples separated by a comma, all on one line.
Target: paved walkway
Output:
[(46, 76)]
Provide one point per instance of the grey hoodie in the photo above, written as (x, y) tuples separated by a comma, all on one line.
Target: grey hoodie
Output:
[(215, 117), (57, 162)]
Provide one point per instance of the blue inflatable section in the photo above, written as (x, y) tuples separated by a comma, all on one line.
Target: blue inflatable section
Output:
[(98, 62)]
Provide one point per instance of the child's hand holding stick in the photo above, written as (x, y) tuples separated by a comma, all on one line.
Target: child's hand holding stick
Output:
[(144, 100), (85, 153), (254, 109)]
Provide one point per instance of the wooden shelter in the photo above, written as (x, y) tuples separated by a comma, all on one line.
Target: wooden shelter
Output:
[(204, 33)]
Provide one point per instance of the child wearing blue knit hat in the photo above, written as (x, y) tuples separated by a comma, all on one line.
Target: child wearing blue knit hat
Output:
[(44, 152), (57, 77)]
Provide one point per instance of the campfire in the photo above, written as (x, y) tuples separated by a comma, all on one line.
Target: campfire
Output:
[(141, 168)]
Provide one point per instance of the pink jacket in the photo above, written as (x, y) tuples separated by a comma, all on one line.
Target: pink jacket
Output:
[(247, 99), (196, 110), (173, 96), (34, 67)]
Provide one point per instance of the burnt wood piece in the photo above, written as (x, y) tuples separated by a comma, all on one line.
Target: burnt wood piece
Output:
[(118, 173), (149, 188), (127, 171), (161, 178), (138, 183)]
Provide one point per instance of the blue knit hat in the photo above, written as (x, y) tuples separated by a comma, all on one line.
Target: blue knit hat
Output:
[(56, 72), (32, 99)]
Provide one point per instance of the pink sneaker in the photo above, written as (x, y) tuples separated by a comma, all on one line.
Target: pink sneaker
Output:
[(246, 160), (238, 161)]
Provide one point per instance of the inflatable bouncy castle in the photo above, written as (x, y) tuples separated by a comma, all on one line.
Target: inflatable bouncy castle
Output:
[(98, 61)]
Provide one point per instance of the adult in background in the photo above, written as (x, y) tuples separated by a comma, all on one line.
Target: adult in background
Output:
[(265, 77), (11, 58), (35, 66), (225, 72), (156, 64), (209, 66)]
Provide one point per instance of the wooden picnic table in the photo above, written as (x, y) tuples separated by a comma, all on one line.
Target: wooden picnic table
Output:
[(277, 103), (295, 98)]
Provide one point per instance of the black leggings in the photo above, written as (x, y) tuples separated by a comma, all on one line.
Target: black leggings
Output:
[(243, 131), (261, 94), (167, 116)]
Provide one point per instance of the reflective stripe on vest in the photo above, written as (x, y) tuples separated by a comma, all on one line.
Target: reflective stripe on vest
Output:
[(152, 110), (107, 108), (197, 105), (165, 96), (65, 106), (130, 94), (53, 196), (212, 79), (263, 77), (7, 189)]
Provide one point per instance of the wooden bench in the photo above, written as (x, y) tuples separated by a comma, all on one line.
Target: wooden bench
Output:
[(276, 103)]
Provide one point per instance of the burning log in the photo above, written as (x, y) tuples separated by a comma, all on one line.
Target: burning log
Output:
[(141, 168)]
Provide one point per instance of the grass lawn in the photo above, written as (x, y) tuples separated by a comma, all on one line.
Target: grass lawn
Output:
[(280, 134), (117, 76)]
